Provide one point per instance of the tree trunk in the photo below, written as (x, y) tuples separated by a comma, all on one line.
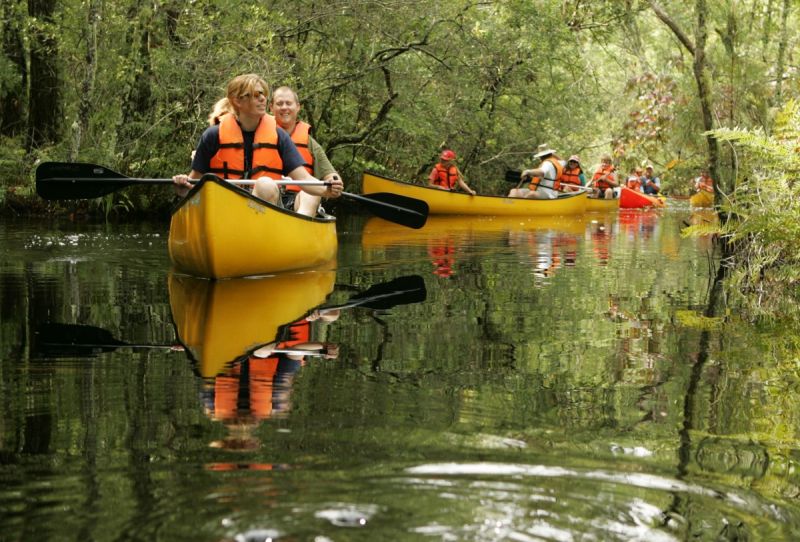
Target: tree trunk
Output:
[(12, 97), (780, 65), (44, 99), (87, 86), (704, 91)]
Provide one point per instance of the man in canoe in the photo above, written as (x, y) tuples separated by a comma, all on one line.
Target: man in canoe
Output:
[(605, 178), (545, 181), (445, 175), (248, 142), (652, 184), (285, 107)]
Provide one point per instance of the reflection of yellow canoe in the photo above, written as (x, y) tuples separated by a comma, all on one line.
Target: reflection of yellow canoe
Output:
[(601, 205), (219, 321), (443, 202), (220, 230), (702, 199), (381, 233)]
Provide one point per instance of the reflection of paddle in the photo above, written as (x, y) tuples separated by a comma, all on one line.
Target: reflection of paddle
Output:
[(75, 180), (400, 291), (516, 177), (55, 340)]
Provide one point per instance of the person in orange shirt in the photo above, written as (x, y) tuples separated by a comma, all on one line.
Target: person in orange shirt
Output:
[(605, 178), (445, 175), (704, 183), (634, 181)]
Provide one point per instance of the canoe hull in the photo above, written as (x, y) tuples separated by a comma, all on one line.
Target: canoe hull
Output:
[(222, 231), (702, 199), (443, 202), (631, 199), (601, 205)]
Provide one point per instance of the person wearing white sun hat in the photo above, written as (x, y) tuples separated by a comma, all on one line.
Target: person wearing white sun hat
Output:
[(545, 181)]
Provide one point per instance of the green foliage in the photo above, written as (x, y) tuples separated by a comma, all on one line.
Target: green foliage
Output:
[(764, 208)]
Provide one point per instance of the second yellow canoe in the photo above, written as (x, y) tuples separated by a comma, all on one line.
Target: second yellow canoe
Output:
[(443, 202)]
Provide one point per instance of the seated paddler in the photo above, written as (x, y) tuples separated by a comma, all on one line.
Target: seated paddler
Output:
[(247, 143)]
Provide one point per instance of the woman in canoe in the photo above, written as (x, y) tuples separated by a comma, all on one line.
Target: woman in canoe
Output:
[(634, 181), (573, 175), (249, 143), (445, 175), (605, 178)]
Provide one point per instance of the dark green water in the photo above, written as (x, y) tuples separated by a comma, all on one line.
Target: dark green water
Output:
[(554, 384)]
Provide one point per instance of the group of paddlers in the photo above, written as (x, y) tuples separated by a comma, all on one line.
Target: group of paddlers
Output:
[(555, 176)]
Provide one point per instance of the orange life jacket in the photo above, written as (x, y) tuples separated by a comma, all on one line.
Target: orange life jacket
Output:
[(559, 174), (445, 177), (300, 135), (634, 183), (571, 176), (604, 169), (229, 160), (260, 374)]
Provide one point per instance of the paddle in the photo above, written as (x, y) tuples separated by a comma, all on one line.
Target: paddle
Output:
[(516, 176), (53, 340), (76, 180)]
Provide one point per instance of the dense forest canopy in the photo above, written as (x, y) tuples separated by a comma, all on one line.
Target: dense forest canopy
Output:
[(387, 84)]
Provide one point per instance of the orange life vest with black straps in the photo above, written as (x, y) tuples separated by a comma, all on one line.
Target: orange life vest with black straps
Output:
[(559, 174), (571, 176), (300, 135), (604, 169), (634, 182), (229, 161), (445, 177)]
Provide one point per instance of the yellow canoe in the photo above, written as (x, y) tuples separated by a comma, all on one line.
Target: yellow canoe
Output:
[(601, 205), (702, 199), (220, 231), (443, 202), (220, 321)]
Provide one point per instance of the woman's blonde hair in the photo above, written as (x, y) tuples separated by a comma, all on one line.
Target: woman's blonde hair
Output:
[(220, 108), (243, 85)]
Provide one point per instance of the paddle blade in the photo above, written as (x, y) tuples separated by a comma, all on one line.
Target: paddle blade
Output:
[(513, 176), (71, 180), (409, 212), (400, 291), (52, 340)]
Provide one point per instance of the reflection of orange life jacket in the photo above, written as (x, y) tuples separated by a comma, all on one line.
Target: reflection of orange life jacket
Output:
[(571, 176), (634, 182), (445, 177), (604, 169), (300, 136), (260, 376), (559, 173), (229, 162)]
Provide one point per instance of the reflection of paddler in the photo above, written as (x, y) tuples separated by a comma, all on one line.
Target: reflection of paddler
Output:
[(442, 255), (219, 321)]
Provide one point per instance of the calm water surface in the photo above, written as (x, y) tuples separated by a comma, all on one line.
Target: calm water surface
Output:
[(480, 379)]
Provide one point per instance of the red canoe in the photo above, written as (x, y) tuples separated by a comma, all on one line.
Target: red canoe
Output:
[(631, 199)]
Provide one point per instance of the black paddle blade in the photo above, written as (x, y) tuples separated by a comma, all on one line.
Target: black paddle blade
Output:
[(400, 291), (72, 340), (410, 212), (513, 176), (74, 180)]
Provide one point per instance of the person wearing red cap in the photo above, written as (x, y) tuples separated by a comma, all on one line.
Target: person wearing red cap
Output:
[(445, 175)]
